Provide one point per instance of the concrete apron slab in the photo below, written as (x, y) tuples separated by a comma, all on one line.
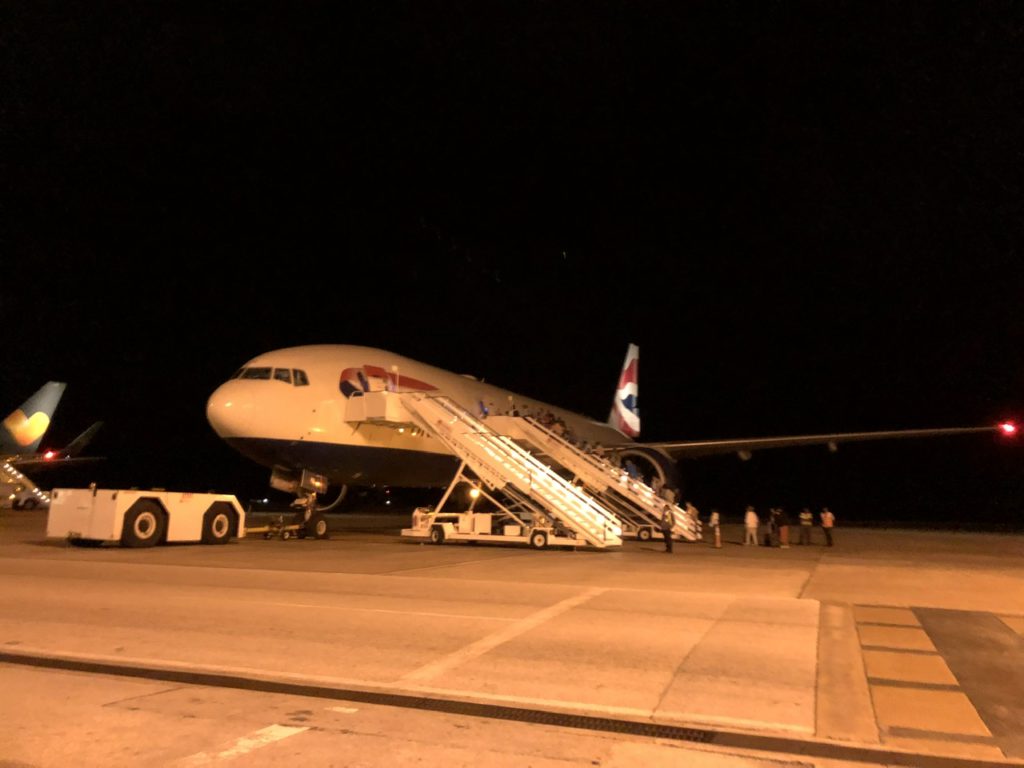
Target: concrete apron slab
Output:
[(746, 662)]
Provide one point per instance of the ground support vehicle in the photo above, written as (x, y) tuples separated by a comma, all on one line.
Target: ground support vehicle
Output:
[(486, 527), (313, 528), (135, 518)]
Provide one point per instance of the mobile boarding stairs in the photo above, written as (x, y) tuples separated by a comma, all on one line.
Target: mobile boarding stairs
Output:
[(536, 504)]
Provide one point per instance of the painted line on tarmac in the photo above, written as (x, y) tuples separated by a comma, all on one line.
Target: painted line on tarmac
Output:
[(257, 681), (482, 646), (245, 744), (349, 609)]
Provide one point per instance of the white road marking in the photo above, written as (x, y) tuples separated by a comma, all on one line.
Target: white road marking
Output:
[(482, 646), (403, 613), (245, 744), (343, 710)]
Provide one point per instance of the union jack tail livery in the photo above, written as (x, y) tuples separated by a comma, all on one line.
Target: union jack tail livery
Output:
[(625, 415)]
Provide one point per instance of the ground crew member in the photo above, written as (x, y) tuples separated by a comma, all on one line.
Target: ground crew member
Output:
[(667, 521), (828, 520), (714, 525), (751, 521), (783, 523), (806, 521)]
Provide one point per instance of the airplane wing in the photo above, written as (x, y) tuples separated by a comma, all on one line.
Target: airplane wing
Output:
[(744, 446), (37, 463), (58, 458)]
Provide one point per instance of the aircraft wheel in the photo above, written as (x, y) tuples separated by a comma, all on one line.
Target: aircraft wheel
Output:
[(644, 534), (437, 535), (144, 525), (538, 540), (316, 528)]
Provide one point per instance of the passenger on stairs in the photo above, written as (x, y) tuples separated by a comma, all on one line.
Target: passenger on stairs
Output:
[(657, 484)]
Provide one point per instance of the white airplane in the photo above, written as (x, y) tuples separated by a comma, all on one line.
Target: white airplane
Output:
[(303, 409)]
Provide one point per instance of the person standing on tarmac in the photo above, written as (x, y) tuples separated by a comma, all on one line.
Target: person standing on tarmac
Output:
[(713, 524), (667, 522), (751, 522), (806, 522), (828, 520), (783, 522)]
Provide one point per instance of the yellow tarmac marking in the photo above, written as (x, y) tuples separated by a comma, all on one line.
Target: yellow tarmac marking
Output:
[(939, 711), (907, 638), (908, 667), (482, 646), (1016, 623), (870, 614)]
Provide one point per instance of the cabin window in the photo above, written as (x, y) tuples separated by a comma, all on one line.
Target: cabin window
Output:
[(283, 374), (256, 373), (300, 378)]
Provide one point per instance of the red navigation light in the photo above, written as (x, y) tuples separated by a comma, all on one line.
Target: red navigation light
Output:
[(1008, 428), (49, 455)]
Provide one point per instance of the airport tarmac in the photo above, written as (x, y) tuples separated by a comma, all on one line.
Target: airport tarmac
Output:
[(891, 648)]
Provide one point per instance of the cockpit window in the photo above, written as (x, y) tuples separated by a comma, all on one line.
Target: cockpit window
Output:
[(238, 374), (283, 374), (255, 373), (300, 378)]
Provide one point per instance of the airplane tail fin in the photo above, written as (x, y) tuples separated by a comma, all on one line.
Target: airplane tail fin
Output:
[(625, 415), (24, 428), (77, 445)]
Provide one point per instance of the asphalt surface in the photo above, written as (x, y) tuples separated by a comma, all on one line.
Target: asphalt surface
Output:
[(893, 647)]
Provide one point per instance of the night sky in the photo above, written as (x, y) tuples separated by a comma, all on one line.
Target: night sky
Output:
[(810, 217)]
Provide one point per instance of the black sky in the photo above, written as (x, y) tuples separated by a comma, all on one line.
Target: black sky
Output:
[(808, 215)]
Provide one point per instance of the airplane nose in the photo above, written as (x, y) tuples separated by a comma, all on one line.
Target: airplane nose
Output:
[(229, 411)]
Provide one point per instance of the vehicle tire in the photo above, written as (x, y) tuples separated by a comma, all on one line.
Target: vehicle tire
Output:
[(316, 528), (144, 525), (437, 535), (644, 534), (268, 535), (29, 504), (285, 535), (217, 523), (538, 539)]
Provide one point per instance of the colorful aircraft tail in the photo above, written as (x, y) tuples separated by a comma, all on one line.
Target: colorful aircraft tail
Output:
[(625, 415), (24, 428)]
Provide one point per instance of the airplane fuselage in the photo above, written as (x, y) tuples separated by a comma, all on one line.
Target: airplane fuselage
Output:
[(272, 416)]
